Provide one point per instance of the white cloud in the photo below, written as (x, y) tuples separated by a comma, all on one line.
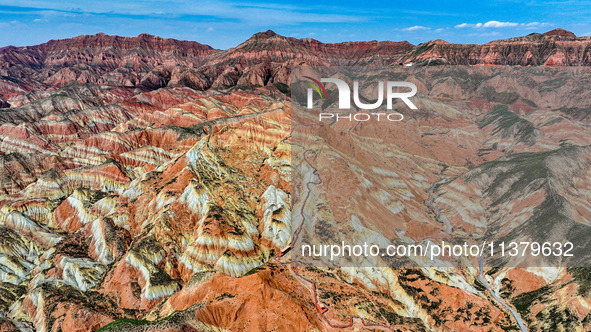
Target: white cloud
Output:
[(210, 29), (534, 25), (468, 25), (415, 28), (498, 24)]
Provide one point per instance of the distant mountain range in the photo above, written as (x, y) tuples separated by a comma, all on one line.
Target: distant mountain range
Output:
[(264, 59)]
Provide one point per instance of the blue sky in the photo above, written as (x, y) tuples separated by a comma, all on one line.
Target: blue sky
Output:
[(224, 24)]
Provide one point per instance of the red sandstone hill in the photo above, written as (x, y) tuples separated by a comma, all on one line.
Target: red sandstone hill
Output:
[(556, 47), (264, 59)]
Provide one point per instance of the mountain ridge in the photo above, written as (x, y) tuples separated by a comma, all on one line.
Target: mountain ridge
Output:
[(557, 33), (265, 59)]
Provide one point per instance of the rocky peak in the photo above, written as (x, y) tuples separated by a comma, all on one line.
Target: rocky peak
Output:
[(561, 34), (439, 42), (101, 40), (266, 34)]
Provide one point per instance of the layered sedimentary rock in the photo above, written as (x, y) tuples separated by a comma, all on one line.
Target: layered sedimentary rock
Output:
[(146, 184), (265, 59)]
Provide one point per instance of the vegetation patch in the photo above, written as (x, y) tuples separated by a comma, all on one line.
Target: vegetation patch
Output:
[(524, 301)]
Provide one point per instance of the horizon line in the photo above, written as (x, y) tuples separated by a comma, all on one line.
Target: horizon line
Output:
[(290, 37)]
